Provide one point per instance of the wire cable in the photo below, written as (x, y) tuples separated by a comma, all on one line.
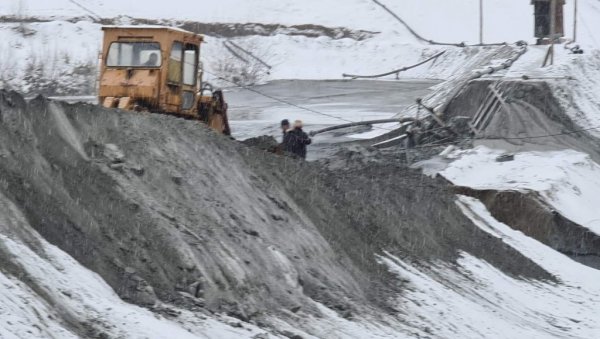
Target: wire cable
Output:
[(540, 136), (93, 14), (342, 119), (288, 102)]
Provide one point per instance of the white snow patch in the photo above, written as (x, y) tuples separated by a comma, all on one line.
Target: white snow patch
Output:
[(568, 180)]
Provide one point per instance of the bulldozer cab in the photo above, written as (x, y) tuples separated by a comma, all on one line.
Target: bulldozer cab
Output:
[(157, 69)]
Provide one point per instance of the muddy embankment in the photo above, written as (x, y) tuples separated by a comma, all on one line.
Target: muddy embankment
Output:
[(526, 212), (165, 209), (531, 119)]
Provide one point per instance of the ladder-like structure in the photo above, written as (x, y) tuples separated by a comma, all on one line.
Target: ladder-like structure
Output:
[(494, 101)]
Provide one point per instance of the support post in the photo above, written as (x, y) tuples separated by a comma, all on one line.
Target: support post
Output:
[(552, 29), (552, 20), (575, 22), (481, 22)]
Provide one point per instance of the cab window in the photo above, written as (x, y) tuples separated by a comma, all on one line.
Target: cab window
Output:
[(134, 54), (190, 64), (175, 60)]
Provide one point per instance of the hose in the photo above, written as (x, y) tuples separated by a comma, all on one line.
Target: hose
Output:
[(353, 76), (362, 123), (431, 42)]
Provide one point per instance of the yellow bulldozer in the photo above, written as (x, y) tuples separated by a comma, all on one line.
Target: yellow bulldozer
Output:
[(158, 69)]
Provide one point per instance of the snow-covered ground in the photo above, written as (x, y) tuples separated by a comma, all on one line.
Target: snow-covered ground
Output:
[(64, 46), (453, 21), (489, 304), (580, 98), (53, 53), (569, 181), (58, 48)]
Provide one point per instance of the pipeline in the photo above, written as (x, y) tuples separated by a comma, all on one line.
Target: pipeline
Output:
[(362, 123), (229, 45), (353, 76), (234, 53)]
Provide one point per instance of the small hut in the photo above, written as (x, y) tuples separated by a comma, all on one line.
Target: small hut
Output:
[(543, 15)]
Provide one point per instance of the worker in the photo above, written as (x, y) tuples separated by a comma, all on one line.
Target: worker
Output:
[(412, 132), (285, 126), (295, 141), (152, 60)]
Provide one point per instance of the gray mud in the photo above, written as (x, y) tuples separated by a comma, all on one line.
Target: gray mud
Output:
[(532, 121), (164, 208), (527, 213)]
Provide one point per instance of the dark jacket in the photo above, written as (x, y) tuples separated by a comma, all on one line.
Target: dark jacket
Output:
[(295, 142)]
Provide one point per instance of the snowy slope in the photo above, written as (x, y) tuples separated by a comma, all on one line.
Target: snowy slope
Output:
[(568, 181), (580, 98), (459, 18), (63, 52), (65, 46), (489, 304), (59, 47)]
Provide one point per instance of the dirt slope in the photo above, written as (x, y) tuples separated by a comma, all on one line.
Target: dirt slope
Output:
[(158, 206)]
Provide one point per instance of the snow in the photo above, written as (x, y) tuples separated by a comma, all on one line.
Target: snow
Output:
[(176, 29), (64, 45), (57, 48), (580, 97), (568, 180), (332, 326), (294, 56), (459, 18), (473, 299)]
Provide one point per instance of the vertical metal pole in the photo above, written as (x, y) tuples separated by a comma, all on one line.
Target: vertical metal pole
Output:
[(481, 22), (575, 22), (552, 20), (552, 29)]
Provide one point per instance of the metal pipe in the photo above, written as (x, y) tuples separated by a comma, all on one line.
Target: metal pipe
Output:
[(249, 53), (396, 71), (575, 22), (552, 20), (361, 123), (481, 22)]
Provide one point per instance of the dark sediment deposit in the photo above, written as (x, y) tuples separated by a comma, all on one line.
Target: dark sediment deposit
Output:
[(166, 209)]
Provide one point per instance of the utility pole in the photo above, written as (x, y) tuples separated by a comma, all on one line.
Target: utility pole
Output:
[(552, 20), (552, 29), (481, 22), (575, 22)]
